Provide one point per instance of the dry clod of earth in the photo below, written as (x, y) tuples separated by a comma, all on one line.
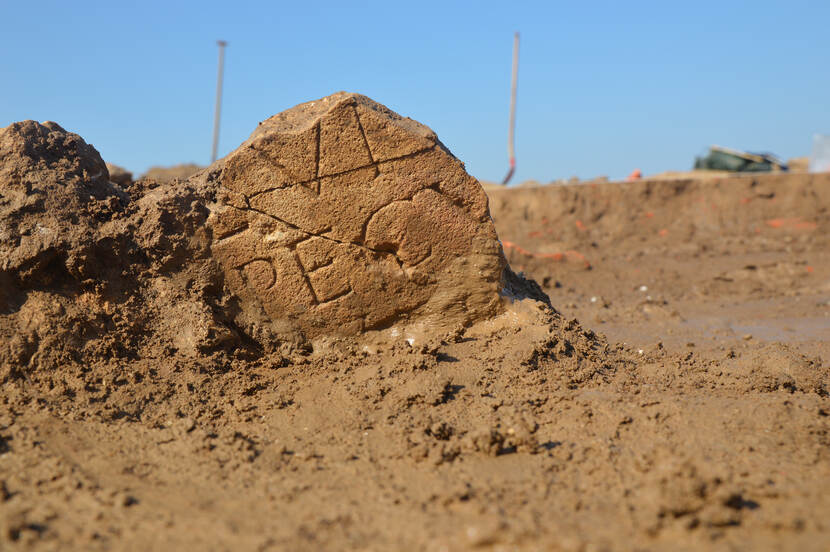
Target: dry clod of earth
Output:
[(55, 193), (339, 215), (84, 264)]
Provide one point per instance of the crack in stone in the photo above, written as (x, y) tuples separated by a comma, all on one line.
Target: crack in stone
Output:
[(305, 183), (310, 235), (293, 245), (232, 233), (363, 133), (317, 156), (269, 159), (434, 186), (338, 296)]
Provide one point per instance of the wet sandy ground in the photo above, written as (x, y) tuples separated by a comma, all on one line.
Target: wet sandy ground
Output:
[(698, 264), (640, 309)]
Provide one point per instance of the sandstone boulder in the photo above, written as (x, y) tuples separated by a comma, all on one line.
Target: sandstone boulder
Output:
[(339, 215)]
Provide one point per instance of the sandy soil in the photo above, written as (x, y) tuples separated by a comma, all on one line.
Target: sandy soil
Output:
[(699, 422)]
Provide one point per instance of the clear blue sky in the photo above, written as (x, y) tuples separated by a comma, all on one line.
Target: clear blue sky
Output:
[(604, 87)]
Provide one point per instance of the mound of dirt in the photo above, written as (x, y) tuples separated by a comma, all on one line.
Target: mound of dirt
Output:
[(335, 217), (88, 272), (339, 216), (657, 211), (169, 174), (55, 194)]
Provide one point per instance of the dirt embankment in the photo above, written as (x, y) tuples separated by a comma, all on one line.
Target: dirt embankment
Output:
[(697, 213), (680, 261), (175, 172), (150, 401)]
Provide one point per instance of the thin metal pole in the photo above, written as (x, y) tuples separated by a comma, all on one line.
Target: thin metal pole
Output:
[(218, 112), (511, 131)]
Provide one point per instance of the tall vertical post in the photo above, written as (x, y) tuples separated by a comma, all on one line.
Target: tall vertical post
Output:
[(511, 131), (217, 114)]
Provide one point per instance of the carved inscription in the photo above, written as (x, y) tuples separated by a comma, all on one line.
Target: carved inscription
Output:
[(342, 216)]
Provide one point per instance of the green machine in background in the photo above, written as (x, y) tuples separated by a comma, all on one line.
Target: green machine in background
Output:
[(725, 159)]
